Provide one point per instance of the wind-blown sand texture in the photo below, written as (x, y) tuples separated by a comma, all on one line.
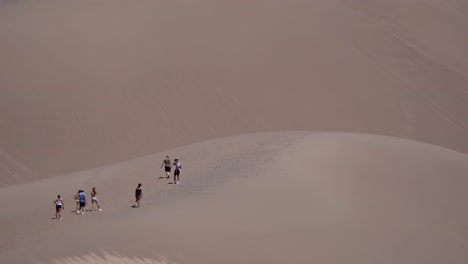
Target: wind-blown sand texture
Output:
[(371, 96)]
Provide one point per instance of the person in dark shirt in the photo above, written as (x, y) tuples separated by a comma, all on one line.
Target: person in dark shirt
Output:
[(167, 166), (138, 195)]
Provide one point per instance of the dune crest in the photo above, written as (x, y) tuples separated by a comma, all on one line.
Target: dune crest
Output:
[(91, 83), (282, 197)]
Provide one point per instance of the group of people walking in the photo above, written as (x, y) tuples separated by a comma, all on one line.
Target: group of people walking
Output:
[(80, 199), (167, 168), (80, 196)]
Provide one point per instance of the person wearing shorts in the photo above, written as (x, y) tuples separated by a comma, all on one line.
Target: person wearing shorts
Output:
[(178, 169), (138, 195), (94, 199), (77, 200), (58, 207), (167, 166), (82, 201)]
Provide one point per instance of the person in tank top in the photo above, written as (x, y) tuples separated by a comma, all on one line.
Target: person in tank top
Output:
[(138, 195), (77, 201), (94, 199), (58, 207)]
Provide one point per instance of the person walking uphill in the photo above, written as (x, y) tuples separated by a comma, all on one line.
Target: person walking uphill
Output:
[(167, 166), (94, 199), (77, 200), (58, 207), (178, 169), (82, 201), (138, 195)]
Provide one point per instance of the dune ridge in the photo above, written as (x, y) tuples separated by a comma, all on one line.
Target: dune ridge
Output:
[(275, 197), (326, 131), (86, 84)]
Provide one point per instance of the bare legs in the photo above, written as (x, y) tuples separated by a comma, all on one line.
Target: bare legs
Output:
[(137, 201), (82, 208), (58, 213), (95, 202), (176, 178)]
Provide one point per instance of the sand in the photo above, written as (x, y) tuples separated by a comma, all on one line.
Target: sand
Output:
[(91, 83), (262, 198), (309, 131)]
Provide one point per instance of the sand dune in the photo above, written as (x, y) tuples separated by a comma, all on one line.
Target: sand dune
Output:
[(86, 83), (292, 197), (96, 93)]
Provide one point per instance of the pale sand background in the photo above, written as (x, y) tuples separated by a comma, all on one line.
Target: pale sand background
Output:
[(290, 197), (87, 87), (89, 83)]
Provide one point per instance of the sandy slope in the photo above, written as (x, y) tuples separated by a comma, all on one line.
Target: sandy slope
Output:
[(291, 197), (89, 83)]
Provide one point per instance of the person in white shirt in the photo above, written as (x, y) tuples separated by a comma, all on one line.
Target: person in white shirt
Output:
[(58, 207), (178, 169)]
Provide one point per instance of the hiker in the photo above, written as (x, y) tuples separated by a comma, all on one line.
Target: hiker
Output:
[(82, 202), (77, 201), (58, 207), (167, 166), (178, 169), (94, 199), (138, 195)]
